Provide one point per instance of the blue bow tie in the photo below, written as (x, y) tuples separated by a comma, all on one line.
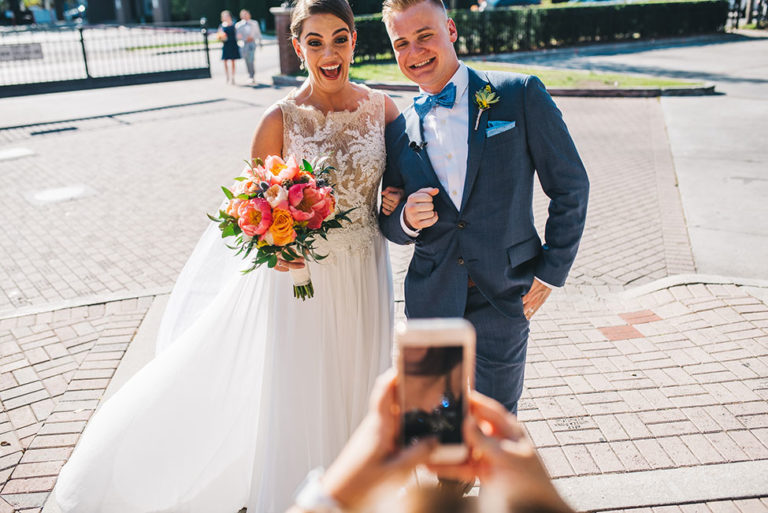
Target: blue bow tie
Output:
[(445, 98)]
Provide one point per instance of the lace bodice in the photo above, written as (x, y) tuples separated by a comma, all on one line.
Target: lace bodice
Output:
[(353, 142)]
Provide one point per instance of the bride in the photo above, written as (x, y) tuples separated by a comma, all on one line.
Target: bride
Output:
[(251, 388)]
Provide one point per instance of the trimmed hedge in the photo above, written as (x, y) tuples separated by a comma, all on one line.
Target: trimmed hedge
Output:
[(528, 28)]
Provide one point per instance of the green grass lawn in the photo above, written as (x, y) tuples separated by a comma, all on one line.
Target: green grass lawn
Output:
[(551, 77)]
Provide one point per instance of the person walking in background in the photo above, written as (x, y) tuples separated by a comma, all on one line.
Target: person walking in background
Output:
[(230, 52), (248, 32)]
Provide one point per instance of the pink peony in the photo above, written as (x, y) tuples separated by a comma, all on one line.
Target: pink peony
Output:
[(278, 170), (310, 204), (255, 217)]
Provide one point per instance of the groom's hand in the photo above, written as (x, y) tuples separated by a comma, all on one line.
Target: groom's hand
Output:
[(419, 211), (535, 297)]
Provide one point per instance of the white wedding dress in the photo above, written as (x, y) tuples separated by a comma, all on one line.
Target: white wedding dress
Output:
[(251, 388)]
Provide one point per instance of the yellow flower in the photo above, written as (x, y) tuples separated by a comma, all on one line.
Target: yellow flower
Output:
[(484, 99)]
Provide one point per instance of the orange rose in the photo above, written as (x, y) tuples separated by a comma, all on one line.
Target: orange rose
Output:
[(281, 233)]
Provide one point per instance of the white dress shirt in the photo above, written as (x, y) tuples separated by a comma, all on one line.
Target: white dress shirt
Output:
[(245, 29), (446, 133)]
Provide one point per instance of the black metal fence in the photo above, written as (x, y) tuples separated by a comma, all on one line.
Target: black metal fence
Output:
[(43, 60)]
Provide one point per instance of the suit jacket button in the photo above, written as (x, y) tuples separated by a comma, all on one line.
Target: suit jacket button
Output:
[(461, 261), (462, 225)]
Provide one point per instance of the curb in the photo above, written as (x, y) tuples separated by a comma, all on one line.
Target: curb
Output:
[(638, 92), (82, 301), (692, 279)]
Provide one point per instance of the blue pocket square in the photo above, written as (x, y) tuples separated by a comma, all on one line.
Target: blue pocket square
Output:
[(497, 127)]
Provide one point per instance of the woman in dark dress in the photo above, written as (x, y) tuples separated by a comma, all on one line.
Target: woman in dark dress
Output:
[(230, 52)]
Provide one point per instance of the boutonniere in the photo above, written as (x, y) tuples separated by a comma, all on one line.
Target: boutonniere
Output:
[(484, 99)]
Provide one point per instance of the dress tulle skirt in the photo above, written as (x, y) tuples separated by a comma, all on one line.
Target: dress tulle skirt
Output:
[(257, 390)]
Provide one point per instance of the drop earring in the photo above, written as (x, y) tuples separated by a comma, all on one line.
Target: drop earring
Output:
[(301, 66)]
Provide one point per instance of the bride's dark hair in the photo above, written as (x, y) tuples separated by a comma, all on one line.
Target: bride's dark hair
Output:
[(303, 9)]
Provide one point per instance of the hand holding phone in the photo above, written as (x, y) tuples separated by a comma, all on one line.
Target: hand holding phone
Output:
[(372, 459), (436, 360)]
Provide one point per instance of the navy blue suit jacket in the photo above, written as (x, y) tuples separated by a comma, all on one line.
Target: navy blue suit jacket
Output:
[(492, 237)]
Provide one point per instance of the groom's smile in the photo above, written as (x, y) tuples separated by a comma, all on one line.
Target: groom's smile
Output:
[(423, 63)]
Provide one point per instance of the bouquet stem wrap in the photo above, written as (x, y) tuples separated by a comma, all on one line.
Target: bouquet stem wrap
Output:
[(302, 283)]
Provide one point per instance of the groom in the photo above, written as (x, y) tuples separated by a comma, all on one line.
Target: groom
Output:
[(467, 167)]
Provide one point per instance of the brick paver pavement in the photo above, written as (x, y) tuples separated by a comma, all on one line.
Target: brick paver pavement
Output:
[(54, 368), (677, 377), (672, 378)]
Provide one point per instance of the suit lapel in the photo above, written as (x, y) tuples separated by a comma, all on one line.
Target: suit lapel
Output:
[(415, 135), (476, 138)]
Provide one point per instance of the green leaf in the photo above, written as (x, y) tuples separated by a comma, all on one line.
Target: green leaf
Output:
[(227, 192), (214, 219), (243, 197), (241, 178), (272, 261), (228, 231)]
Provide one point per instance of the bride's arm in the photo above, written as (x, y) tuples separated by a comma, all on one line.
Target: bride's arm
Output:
[(268, 138), (391, 196)]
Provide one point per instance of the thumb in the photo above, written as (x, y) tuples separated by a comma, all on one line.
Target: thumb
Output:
[(414, 455), (433, 192)]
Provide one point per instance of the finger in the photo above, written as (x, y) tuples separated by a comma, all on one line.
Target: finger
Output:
[(416, 199), (430, 221), (463, 472), (393, 196), (390, 190), (421, 208), (422, 217), (383, 394), (428, 190), (488, 410), (414, 455)]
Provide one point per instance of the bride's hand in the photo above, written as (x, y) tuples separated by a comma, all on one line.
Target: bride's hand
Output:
[(390, 199), (284, 266)]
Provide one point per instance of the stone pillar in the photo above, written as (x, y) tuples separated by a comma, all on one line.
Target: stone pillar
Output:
[(161, 10), (289, 63), (122, 10)]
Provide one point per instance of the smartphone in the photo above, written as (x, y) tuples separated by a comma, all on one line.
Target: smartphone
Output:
[(436, 370)]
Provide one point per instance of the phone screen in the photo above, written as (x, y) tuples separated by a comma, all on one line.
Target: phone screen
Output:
[(433, 393)]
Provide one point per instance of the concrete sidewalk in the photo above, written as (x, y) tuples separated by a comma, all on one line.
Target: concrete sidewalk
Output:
[(647, 383)]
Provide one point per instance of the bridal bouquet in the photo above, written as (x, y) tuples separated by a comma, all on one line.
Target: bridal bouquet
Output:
[(278, 208)]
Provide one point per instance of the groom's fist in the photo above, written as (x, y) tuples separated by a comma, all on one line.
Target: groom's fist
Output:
[(419, 211)]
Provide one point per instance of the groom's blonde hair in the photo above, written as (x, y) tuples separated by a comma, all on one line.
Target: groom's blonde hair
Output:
[(390, 7)]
